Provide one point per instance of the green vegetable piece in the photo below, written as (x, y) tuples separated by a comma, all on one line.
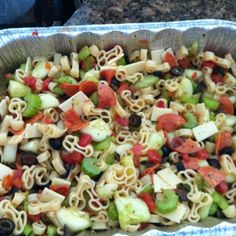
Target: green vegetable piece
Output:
[(169, 203), (148, 81), (213, 209), (186, 99), (148, 189), (219, 200), (66, 79), (160, 152), (81, 74), (94, 98), (105, 144), (57, 90), (89, 168), (121, 62), (204, 212), (84, 53), (127, 161), (193, 49), (112, 211), (17, 89), (51, 230), (22, 66), (212, 116), (191, 120), (199, 181), (210, 103), (59, 74), (89, 63), (194, 84), (40, 70), (166, 95), (27, 230), (33, 105), (110, 159)]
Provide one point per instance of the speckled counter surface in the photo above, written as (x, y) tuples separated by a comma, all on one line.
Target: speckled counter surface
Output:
[(130, 11)]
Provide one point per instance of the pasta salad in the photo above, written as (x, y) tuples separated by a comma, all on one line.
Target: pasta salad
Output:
[(97, 140)]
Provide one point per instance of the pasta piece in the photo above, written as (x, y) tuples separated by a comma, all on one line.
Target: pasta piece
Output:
[(75, 65), (65, 64), (156, 55), (39, 228)]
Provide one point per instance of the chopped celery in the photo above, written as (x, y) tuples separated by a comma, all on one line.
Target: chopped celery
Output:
[(94, 98), (105, 144), (148, 81), (112, 211), (58, 91), (219, 200), (33, 105), (187, 99), (191, 120), (17, 89), (81, 74), (41, 70), (213, 209), (89, 168), (166, 95), (27, 230), (121, 62), (160, 152), (194, 84), (147, 189), (66, 79), (204, 212), (210, 103), (110, 159), (51, 230), (199, 181), (84, 53)]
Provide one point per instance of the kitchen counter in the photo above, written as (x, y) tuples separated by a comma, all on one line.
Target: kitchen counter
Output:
[(132, 11)]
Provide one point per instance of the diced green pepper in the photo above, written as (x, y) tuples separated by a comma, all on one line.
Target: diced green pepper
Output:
[(213, 209), (194, 84), (51, 230), (191, 120), (219, 200), (27, 230), (186, 99), (148, 81), (121, 61), (166, 95), (204, 212), (212, 116), (199, 181), (84, 53), (66, 79), (57, 90), (33, 105), (147, 189), (110, 159), (81, 74), (89, 168), (193, 49), (160, 152), (210, 103), (169, 203), (105, 144), (112, 211), (94, 98), (88, 63)]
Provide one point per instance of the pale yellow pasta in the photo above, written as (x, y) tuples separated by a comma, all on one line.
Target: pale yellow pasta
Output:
[(143, 54), (43, 144), (134, 78), (150, 66), (202, 113), (156, 55), (181, 53), (135, 67), (19, 75), (166, 222), (121, 73), (220, 120), (220, 89), (74, 65), (37, 59), (4, 106), (124, 136), (232, 63), (57, 163), (43, 156), (17, 105), (99, 222), (230, 195), (93, 50), (65, 64), (50, 131), (177, 106), (189, 107), (54, 71), (39, 228), (160, 84), (135, 56), (51, 113), (210, 147), (18, 199), (227, 165), (3, 139), (174, 157), (171, 85), (120, 110)]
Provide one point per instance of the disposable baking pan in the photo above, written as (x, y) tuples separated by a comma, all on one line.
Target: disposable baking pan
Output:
[(215, 35)]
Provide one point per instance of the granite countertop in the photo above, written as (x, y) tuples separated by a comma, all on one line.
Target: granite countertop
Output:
[(133, 11)]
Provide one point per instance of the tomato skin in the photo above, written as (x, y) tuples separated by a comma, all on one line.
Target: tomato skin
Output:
[(150, 170), (88, 87), (217, 78), (148, 199), (222, 187), (122, 121), (85, 139), (226, 105), (170, 58), (108, 75), (137, 149), (45, 84), (170, 122), (34, 218), (176, 142), (106, 97), (72, 158), (16, 178), (31, 82), (210, 64), (191, 163), (185, 62), (125, 86), (188, 147), (223, 140), (154, 156), (69, 89), (6, 182), (203, 154), (61, 189), (212, 175)]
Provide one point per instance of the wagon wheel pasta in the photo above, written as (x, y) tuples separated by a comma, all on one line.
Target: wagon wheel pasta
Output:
[(92, 141)]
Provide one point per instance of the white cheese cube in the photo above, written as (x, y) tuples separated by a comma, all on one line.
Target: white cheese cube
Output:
[(4, 170), (160, 184), (204, 131), (31, 131), (135, 67), (177, 215), (156, 55), (158, 111), (169, 176)]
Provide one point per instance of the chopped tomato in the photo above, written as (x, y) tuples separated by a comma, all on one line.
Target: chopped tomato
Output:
[(223, 140), (203, 154), (191, 163), (45, 84), (31, 82), (176, 142), (88, 87), (143, 226), (16, 179), (70, 89), (170, 58), (106, 97), (222, 187), (137, 149), (136, 161), (170, 122), (16, 132), (61, 189), (88, 63), (122, 121), (161, 104), (35, 118), (72, 158), (108, 75), (85, 139), (226, 105), (6, 182), (210, 64), (154, 156), (47, 120), (188, 147), (217, 78), (149, 200), (34, 218), (185, 62), (212, 175), (150, 171), (73, 121), (125, 86)]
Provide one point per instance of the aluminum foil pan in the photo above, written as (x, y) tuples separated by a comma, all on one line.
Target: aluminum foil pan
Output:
[(215, 35)]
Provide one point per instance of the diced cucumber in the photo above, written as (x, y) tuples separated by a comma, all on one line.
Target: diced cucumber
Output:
[(148, 81), (33, 105), (17, 89), (48, 101), (204, 212), (41, 70), (185, 88)]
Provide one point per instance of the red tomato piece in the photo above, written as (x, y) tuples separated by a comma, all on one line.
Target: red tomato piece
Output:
[(226, 105), (72, 158), (191, 163), (222, 187), (88, 87), (88, 63), (47, 120), (188, 147), (217, 78), (45, 84), (185, 62), (61, 189), (125, 86), (16, 178), (170, 122), (106, 97), (149, 200), (170, 58), (34, 218), (122, 121), (108, 75), (150, 171), (203, 154), (70, 89), (143, 226), (73, 122), (154, 156), (210, 64), (137, 149), (223, 140), (31, 82), (176, 142), (85, 139), (212, 175), (6, 182)]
